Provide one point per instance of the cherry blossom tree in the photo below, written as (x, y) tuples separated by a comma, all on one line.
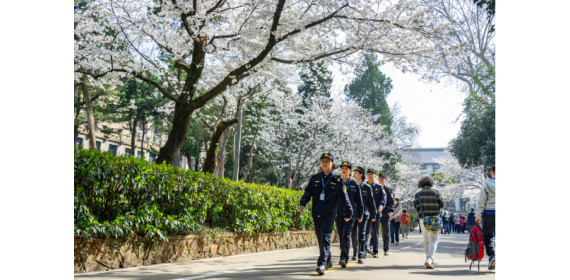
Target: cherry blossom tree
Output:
[(467, 26), (215, 44), (295, 135)]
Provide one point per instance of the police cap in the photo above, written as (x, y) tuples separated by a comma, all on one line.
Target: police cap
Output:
[(346, 163), (327, 155), (371, 171)]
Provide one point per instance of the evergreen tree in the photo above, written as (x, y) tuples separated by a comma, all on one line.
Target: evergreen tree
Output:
[(475, 143), (317, 80), (370, 88), (137, 106)]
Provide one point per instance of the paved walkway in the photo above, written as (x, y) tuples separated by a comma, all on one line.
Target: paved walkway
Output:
[(405, 261)]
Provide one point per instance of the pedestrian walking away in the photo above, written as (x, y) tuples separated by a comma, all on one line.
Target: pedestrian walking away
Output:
[(471, 220), (486, 212), (405, 223), (369, 211), (428, 202), (386, 213), (463, 222), (395, 223), (345, 228), (326, 191), (373, 228), (452, 222)]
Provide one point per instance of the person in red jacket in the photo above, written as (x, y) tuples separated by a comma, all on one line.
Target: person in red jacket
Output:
[(405, 224)]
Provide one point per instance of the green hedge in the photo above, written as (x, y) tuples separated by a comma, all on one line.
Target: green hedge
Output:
[(126, 197)]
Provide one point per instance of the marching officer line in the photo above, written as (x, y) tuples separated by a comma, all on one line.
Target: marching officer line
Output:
[(359, 212)]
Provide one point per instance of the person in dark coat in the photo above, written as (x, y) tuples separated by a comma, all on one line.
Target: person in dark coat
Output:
[(471, 219), (326, 191)]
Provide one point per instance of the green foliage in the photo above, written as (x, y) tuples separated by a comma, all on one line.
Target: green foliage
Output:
[(370, 88), (475, 144), (123, 197), (317, 80)]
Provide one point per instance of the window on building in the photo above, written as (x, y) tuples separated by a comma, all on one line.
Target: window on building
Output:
[(139, 154), (79, 143), (152, 159), (156, 139), (112, 149), (436, 167), (128, 152), (98, 145), (423, 167), (139, 126)]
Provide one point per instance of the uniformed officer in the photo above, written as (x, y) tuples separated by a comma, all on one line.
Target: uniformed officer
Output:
[(373, 228), (369, 212), (326, 190), (343, 227), (386, 212)]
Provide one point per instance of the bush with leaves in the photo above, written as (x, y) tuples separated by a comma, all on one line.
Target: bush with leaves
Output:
[(124, 197)]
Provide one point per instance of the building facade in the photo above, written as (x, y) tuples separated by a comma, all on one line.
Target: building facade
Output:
[(120, 144), (425, 157)]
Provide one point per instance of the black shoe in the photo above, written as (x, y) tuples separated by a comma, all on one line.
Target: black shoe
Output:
[(360, 260), (385, 253), (321, 269), (329, 265), (369, 251), (375, 255), (353, 258), (342, 263)]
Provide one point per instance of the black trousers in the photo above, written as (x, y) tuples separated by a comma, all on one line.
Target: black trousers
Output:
[(385, 222), (373, 230), (359, 237), (323, 230), (354, 238), (489, 233), (344, 231)]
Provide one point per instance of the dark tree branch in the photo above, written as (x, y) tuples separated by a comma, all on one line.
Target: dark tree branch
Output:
[(312, 24), (200, 101)]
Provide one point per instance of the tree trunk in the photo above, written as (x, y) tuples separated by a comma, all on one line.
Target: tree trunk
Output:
[(176, 162), (177, 135), (196, 161), (189, 160), (288, 176), (133, 136), (142, 138), (222, 153), (250, 157), (89, 109), (211, 160), (75, 133)]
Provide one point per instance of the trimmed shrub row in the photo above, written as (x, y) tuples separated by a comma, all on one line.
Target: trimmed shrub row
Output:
[(123, 197)]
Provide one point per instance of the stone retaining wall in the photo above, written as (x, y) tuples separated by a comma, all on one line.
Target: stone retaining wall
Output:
[(102, 254)]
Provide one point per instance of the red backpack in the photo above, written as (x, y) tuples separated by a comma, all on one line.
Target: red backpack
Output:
[(476, 248)]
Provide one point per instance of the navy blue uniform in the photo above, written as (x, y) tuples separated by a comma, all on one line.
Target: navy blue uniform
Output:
[(385, 219), (374, 227), (344, 228), (370, 210), (324, 211)]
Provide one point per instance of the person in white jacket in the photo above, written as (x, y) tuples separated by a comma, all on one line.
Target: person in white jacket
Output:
[(486, 212), (395, 222)]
